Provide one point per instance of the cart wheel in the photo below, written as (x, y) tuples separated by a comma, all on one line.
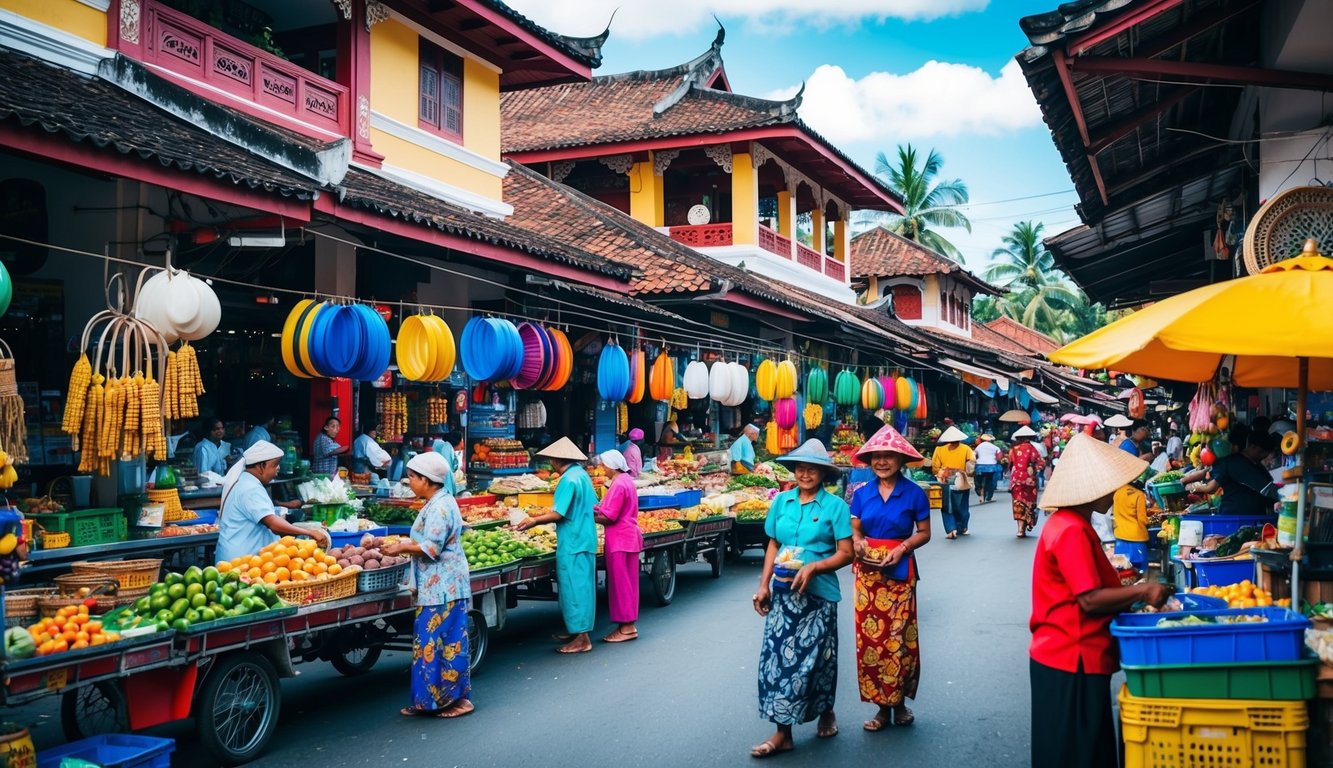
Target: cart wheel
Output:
[(93, 710), (237, 711), (718, 554), (478, 639), (664, 577), (355, 655)]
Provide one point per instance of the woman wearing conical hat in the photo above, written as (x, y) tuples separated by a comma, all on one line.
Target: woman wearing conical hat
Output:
[(950, 463), (1025, 467)]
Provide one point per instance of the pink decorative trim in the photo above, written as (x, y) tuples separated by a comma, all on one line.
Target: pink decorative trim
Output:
[(703, 235), (835, 269)]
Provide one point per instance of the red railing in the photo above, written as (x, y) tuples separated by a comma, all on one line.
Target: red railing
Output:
[(835, 269), (189, 47), (808, 257), (774, 243), (702, 235)]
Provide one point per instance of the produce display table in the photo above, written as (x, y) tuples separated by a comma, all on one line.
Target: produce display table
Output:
[(50, 561)]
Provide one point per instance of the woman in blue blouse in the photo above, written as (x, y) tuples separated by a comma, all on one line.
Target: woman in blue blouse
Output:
[(798, 659), (441, 683), (890, 520)]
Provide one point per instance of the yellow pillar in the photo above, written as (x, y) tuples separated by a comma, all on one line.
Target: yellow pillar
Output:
[(646, 200), (817, 230), (744, 200), (842, 241), (872, 291), (787, 215)]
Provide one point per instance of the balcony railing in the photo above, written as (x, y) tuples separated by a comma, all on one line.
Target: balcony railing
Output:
[(703, 235), (835, 269), (774, 243), (189, 47)]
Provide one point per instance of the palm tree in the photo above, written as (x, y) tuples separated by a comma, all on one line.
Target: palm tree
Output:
[(1037, 292), (928, 203)]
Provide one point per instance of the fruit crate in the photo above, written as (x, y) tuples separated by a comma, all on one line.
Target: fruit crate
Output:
[(662, 501), (1217, 572), (306, 592), (1194, 733), (112, 751), (1143, 643), (1225, 525), (1266, 680), (343, 538), (381, 579), (87, 527)]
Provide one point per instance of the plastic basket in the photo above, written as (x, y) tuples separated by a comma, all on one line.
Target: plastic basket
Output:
[(381, 579), (90, 527), (1143, 643), (658, 502), (131, 574), (1216, 572), (306, 592), (344, 538), (1225, 525), (1267, 680), (112, 751), (1194, 733), (689, 498)]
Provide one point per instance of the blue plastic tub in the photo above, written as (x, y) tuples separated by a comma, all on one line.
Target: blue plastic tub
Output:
[(206, 517), (1217, 573), (339, 539), (112, 751), (1225, 525), (689, 498), (1142, 642), (658, 502), (1192, 603), (398, 530)]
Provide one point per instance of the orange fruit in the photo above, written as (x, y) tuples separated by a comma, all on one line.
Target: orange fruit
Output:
[(82, 636), (283, 559), (321, 568), (269, 566), (224, 567), (270, 578), (335, 569), (59, 646), (93, 627), (300, 576), (309, 566), (330, 560), (254, 573), (99, 639), (283, 574)]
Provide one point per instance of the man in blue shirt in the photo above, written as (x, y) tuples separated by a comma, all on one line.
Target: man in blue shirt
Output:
[(210, 454), (1137, 434), (247, 520), (258, 431), (742, 451)]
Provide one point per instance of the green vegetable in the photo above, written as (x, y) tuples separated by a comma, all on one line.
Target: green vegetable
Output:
[(19, 644), (751, 481)]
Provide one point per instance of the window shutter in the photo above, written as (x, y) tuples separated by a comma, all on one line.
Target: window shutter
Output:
[(430, 94), (451, 105)]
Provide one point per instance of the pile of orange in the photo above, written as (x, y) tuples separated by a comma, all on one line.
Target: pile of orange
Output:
[(1242, 595), (284, 561), (69, 630)]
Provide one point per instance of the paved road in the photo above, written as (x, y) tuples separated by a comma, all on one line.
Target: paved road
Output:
[(684, 693)]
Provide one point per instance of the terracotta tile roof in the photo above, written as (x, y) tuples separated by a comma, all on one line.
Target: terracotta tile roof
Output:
[(982, 337), (1032, 339), (877, 252), (40, 96)]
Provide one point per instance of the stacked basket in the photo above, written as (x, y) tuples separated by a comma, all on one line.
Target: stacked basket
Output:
[(1217, 692)]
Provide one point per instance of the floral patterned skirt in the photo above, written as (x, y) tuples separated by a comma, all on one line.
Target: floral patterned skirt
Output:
[(888, 654), (440, 656), (798, 660)]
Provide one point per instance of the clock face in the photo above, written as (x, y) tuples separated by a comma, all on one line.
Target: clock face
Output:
[(698, 215)]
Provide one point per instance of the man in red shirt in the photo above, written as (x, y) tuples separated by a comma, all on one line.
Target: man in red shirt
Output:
[(1075, 594)]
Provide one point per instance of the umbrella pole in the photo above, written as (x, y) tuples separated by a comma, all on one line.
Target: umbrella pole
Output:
[(1299, 550)]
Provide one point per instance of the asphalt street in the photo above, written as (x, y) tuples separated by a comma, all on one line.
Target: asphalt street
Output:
[(684, 693)]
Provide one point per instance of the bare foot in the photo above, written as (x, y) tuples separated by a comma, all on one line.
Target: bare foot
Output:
[(828, 725), (580, 644), (459, 708)]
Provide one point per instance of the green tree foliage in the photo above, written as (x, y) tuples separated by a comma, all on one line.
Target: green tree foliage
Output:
[(929, 204)]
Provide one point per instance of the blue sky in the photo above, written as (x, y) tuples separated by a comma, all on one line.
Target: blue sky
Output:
[(937, 73)]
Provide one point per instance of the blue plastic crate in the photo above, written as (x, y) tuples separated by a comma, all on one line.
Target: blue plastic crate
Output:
[(658, 502), (1225, 525), (1142, 642), (1217, 573), (689, 498), (206, 517), (113, 751), (340, 539)]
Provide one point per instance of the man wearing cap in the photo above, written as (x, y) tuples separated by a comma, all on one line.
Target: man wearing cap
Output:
[(576, 543), (742, 451), (949, 463), (247, 521), (1075, 595), (633, 455)]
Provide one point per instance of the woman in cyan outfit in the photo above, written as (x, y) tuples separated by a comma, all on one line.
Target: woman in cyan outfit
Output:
[(798, 658), (576, 543), (619, 512), (441, 683)]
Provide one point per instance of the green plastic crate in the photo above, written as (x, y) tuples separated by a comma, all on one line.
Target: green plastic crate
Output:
[(90, 527), (1263, 680)]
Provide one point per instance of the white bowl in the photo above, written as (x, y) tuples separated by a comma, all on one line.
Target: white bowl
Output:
[(210, 312), (182, 303)]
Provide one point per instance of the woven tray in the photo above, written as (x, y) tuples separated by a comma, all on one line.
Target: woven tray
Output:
[(131, 574), (23, 602), (47, 607), (306, 592), (69, 584)]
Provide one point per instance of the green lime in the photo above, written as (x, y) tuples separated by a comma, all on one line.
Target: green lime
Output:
[(199, 600), (179, 607), (174, 578), (176, 591), (210, 586), (192, 616), (180, 625), (211, 574), (193, 575), (164, 616), (207, 614), (142, 605), (194, 589)]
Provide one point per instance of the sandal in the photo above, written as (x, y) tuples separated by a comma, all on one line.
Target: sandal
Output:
[(905, 718), (414, 712), (620, 637), (457, 709), (561, 638), (951, 535), (827, 730), (878, 722), (768, 748)]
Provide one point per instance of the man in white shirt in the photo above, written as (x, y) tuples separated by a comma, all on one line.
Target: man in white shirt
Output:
[(367, 454), (1175, 447), (988, 467)]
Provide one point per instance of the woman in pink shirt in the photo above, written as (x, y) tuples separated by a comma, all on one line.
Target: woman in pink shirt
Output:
[(619, 512)]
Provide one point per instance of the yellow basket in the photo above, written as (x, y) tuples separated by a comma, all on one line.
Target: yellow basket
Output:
[(130, 574), (55, 540), (1194, 733), (333, 588)]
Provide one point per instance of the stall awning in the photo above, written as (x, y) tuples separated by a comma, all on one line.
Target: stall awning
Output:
[(1041, 397), (980, 378)]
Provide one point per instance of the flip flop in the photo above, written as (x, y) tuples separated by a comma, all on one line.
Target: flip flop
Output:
[(453, 711), (907, 719), (573, 650), (877, 722), (414, 712), (768, 749), (617, 637)]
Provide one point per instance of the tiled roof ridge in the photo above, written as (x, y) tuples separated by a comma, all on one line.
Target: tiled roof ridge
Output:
[(586, 49), (694, 68), (782, 111), (880, 229), (1007, 320)]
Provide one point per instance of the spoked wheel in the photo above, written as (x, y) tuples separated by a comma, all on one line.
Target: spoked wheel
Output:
[(718, 555), (664, 577), (93, 710), (478, 639), (356, 653), (237, 711)]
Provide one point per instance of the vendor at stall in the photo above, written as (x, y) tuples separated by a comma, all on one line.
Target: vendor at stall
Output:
[(324, 453), (742, 451), (633, 455), (247, 520), (575, 545), (210, 454), (1240, 475), (259, 430), (367, 455)]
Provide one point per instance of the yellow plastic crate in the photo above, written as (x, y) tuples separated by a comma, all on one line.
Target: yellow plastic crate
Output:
[(1203, 733)]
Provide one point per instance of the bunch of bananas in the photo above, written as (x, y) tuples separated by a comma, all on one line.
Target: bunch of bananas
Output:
[(184, 384), (679, 400), (8, 475)]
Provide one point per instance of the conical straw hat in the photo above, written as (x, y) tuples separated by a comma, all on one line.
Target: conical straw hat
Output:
[(1089, 470), (1023, 431), (953, 435), (1119, 420), (565, 449), (889, 440)]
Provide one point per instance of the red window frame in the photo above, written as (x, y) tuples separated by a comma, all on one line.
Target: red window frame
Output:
[(440, 108), (907, 302)]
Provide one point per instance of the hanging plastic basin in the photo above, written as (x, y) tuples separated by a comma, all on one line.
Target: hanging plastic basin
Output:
[(442, 343), (301, 338), (416, 358), (336, 340), (376, 343), (613, 373), (535, 348), (287, 341), (512, 358), (566, 355)]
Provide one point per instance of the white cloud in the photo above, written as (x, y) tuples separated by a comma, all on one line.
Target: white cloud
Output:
[(938, 99), (639, 19)]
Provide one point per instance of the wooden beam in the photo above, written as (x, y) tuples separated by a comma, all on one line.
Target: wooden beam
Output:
[(1127, 125), (1194, 70), (1151, 49), (1071, 93), (1122, 23), (1096, 169), (472, 25)]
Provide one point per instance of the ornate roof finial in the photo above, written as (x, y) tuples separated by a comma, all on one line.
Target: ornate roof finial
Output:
[(721, 34)]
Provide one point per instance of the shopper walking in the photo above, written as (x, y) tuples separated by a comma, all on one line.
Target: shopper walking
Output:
[(441, 682), (1026, 467), (988, 467), (890, 521), (1075, 594), (798, 657), (952, 463), (576, 543), (619, 513)]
